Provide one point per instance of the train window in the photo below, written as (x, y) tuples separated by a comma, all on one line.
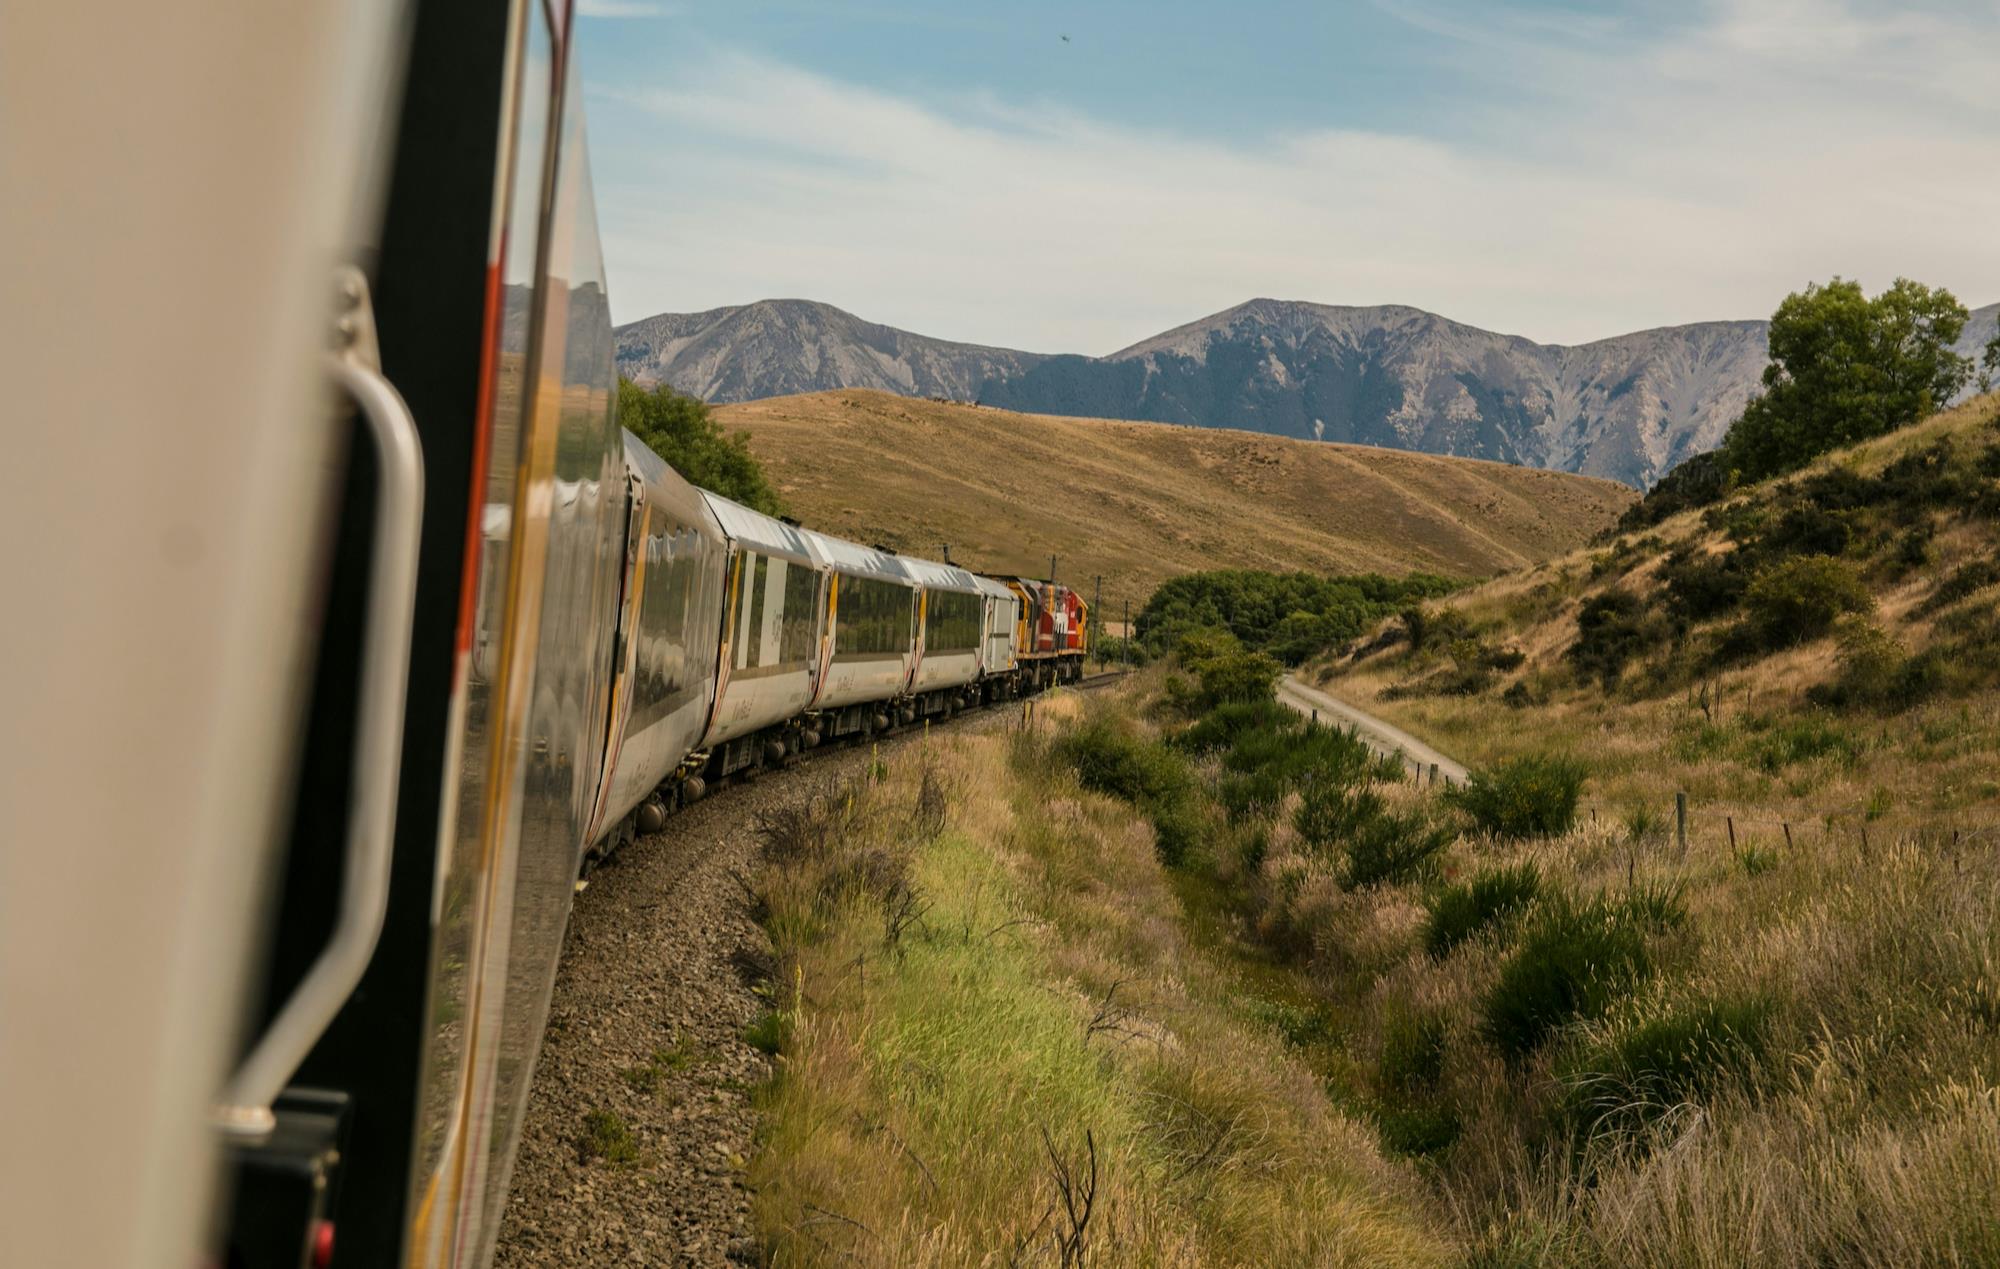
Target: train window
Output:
[(951, 622), (795, 634), (873, 617)]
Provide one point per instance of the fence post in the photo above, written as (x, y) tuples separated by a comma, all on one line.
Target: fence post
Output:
[(1788, 835), (1315, 718), (1681, 821), (1731, 820), (1434, 775)]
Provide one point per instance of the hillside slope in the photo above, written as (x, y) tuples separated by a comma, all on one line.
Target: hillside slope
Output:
[(1139, 502), (1627, 408)]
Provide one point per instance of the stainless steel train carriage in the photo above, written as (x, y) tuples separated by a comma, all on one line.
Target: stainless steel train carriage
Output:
[(871, 649), (951, 631), (773, 625), (668, 642)]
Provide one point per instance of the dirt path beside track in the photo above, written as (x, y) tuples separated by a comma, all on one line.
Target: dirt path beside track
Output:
[(1377, 735)]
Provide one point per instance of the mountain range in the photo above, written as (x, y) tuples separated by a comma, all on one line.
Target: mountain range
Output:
[(1628, 408)]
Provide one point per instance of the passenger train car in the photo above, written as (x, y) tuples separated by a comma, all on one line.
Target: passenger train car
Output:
[(423, 631)]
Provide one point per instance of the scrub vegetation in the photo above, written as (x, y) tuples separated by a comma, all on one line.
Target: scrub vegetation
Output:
[(999, 1043)]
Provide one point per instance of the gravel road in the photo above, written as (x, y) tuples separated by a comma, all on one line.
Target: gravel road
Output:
[(651, 999)]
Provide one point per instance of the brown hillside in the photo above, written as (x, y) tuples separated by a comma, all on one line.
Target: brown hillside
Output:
[(1140, 502)]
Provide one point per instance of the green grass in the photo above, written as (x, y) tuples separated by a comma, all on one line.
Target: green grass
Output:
[(606, 1136)]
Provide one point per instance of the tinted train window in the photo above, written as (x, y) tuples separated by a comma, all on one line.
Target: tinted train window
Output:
[(951, 622), (873, 617), (795, 634)]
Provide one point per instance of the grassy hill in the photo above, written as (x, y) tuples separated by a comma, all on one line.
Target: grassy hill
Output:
[(1140, 502), (1786, 1044)]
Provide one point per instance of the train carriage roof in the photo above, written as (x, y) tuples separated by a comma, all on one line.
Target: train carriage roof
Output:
[(937, 576), (853, 558), (988, 586), (758, 531)]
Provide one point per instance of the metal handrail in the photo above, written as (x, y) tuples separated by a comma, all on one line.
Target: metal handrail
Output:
[(245, 1109)]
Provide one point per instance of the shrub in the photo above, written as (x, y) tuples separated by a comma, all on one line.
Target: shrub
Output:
[(1577, 958), (1109, 759), (1530, 796), (1266, 764), (1390, 849), (1220, 728), (1801, 598), (1457, 912), (1875, 673), (1330, 813), (1611, 630), (1699, 481), (1226, 671), (1429, 628), (1805, 528), (1700, 585), (1647, 1067)]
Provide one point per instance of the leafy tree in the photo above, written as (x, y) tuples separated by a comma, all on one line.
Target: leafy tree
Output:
[(1989, 365), (680, 429), (1292, 616), (1845, 368)]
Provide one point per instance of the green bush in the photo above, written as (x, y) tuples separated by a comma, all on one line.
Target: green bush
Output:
[(1875, 673), (1222, 727), (1459, 911), (1801, 598), (1576, 959), (1226, 671), (1109, 759), (1293, 616), (1612, 629), (1698, 482), (1430, 628), (1391, 849), (1649, 1066), (1329, 813), (1700, 585), (1267, 763), (1530, 796)]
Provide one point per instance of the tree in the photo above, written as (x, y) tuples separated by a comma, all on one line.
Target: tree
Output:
[(680, 429), (1845, 368), (1989, 366)]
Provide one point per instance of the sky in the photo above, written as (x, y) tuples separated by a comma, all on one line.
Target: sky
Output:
[(1072, 177)]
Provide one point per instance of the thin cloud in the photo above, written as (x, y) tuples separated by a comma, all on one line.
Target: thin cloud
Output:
[(1645, 182), (625, 9)]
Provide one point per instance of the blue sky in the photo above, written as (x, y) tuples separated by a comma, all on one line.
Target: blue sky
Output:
[(1560, 172)]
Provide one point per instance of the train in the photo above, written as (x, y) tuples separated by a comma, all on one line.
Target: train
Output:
[(355, 627), (741, 641)]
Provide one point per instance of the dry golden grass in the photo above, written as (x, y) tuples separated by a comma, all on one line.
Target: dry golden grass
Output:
[(1046, 1009), (1141, 502)]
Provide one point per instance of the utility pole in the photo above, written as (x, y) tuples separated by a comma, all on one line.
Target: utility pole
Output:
[(1052, 569), (1097, 615), (1127, 649)]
